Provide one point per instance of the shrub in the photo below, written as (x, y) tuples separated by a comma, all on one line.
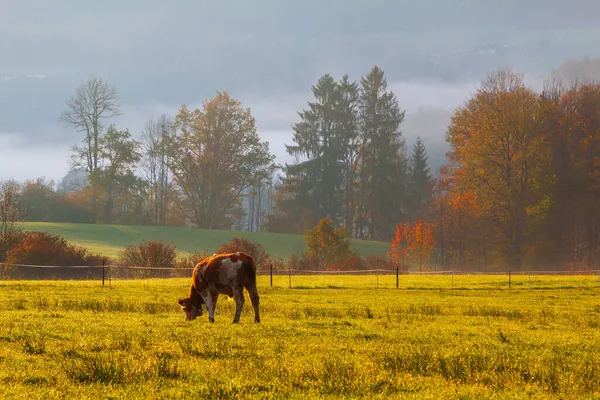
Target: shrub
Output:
[(149, 254), (327, 244), (255, 250), (302, 262), (191, 260), (354, 262), (375, 261), (41, 248)]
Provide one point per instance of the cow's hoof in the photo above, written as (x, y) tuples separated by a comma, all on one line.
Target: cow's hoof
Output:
[(211, 320)]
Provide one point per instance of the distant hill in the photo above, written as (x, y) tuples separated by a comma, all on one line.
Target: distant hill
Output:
[(109, 240)]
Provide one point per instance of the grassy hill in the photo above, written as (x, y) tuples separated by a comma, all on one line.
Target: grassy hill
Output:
[(110, 239)]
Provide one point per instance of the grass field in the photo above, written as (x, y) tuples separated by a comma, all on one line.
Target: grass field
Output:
[(64, 339), (108, 240)]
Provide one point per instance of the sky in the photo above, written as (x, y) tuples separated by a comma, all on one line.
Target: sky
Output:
[(160, 55)]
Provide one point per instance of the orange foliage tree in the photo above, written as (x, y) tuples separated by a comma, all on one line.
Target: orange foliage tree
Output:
[(421, 243), (398, 253), (412, 241)]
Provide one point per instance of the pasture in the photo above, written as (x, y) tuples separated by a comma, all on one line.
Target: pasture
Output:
[(328, 336), (109, 240)]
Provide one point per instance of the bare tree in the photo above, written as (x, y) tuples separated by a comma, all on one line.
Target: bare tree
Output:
[(94, 100), (13, 213), (155, 165)]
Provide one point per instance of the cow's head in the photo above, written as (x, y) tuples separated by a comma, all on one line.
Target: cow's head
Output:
[(191, 310)]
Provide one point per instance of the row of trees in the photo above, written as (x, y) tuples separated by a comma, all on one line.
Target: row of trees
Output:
[(352, 163), (522, 186), (192, 169), (208, 167)]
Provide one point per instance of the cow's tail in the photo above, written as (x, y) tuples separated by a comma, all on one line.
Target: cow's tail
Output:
[(252, 289), (251, 272)]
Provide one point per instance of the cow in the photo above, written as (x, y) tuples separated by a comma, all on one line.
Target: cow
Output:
[(228, 274)]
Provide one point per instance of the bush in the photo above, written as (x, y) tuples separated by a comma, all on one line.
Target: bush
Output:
[(191, 260), (375, 261), (354, 262), (302, 262), (149, 254), (255, 250), (41, 248)]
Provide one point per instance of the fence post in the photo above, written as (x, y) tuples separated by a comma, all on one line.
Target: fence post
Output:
[(290, 276), (397, 271), (509, 278), (452, 279), (271, 273), (103, 262), (376, 279), (529, 279)]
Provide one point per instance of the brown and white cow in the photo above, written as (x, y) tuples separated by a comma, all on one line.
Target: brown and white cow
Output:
[(221, 274)]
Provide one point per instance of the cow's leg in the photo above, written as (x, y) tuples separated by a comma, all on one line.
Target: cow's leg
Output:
[(254, 298), (215, 297), (238, 295), (210, 306)]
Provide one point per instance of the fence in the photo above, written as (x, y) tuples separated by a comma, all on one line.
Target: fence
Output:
[(290, 278)]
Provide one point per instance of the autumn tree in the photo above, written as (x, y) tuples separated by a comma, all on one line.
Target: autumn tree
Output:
[(94, 101), (421, 242), (497, 153), (570, 121), (214, 156), (327, 244), (399, 245)]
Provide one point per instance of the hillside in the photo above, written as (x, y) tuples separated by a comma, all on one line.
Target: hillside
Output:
[(110, 239)]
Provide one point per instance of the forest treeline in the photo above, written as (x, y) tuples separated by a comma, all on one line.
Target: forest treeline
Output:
[(521, 187)]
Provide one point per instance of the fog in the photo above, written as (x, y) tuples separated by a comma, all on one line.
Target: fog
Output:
[(160, 56)]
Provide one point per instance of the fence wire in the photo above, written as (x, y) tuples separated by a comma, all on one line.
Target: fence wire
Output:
[(293, 278)]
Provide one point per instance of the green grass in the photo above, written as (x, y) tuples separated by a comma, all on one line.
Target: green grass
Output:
[(110, 239), (64, 339)]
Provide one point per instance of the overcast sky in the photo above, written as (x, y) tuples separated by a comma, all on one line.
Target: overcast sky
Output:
[(267, 53)]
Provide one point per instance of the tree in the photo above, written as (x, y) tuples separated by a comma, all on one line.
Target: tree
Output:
[(94, 101), (119, 156), (398, 253), (155, 165), (41, 199), (421, 243), (327, 244), (382, 174), (325, 137), (215, 155), (420, 182), (497, 154), (13, 212)]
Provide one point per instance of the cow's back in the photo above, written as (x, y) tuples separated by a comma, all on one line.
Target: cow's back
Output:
[(223, 272)]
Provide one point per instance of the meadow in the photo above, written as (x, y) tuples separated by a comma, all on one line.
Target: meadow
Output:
[(327, 337), (109, 240)]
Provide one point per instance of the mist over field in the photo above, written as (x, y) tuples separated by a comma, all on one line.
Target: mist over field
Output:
[(161, 55)]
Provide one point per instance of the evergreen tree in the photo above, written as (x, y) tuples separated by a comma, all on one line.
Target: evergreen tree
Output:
[(382, 177), (420, 180), (323, 139)]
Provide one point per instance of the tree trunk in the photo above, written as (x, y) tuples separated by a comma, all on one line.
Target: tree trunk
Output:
[(108, 210)]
